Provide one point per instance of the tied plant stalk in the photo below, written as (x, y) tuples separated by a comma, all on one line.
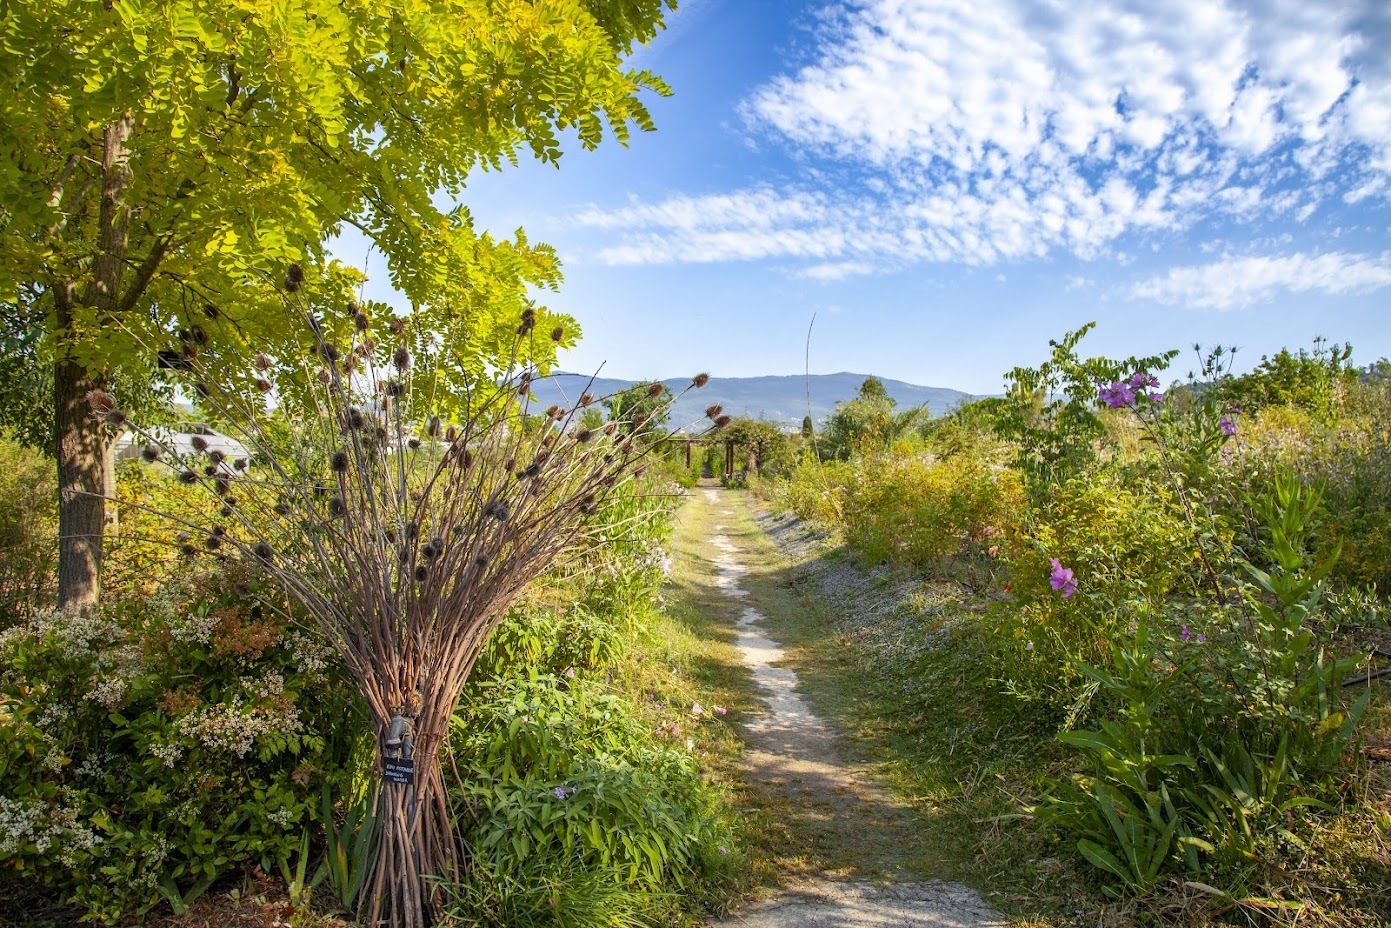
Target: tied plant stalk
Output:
[(404, 535)]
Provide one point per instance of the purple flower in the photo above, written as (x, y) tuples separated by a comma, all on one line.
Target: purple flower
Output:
[(1061, 579), (721, 710), (1142, 380), (1117, 395), (1202, 639), (1185, 634), (1227, 426), (1156, 397), (563, 793)]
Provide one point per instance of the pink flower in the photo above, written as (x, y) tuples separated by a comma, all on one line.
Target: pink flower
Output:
[(1117, 395), (720, 710), (1061, 579), (1227, 426)]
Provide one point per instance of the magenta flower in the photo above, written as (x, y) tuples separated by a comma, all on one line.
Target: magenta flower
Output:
[(1227, 426), (1156, 397), (1142, 380), (1185, 634), (563, 793), (1061, 579), (1117, 395)]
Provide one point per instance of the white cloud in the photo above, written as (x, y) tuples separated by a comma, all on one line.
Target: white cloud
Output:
[(1236, 282), (836, 271), (982, 131)]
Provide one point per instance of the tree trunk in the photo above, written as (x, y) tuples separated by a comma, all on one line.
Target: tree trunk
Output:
[(81, 483), (78, 438)]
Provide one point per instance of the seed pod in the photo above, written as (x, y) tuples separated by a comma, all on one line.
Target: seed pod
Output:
[(212, 542), (262, 362), (528, 321), (216, 456), (700, 380), (713, 410), (432, 428), (421, 572), (656, 389), (329, 352), (557, 333), (336, 507), (149, 454), (188, 477), (264, 552), (360, 321), (722, 421), (239, 464), (264, 385), (338, 462), (497, 510)]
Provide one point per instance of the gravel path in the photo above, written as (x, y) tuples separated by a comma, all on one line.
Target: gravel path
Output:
[(794, 751)]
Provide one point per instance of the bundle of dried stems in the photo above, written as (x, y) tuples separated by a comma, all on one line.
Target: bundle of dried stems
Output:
[(405, 537)]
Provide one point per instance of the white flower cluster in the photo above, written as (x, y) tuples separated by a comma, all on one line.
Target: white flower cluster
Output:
[(193, 628), (268, 687), (108, 692), (235, 726), (310, 655), (43, 826), (281, 817), (169, 753), (81, 634)]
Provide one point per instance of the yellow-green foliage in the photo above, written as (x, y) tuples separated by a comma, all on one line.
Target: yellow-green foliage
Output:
[(814, 491), (914, 510), (1128, 548), (28, 529)]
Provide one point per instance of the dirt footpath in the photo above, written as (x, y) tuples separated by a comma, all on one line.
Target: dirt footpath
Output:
[(793, 751)]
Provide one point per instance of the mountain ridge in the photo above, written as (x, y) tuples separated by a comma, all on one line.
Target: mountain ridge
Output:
[(780, 398)]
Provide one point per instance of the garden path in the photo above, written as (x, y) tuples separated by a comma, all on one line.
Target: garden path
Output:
[(792, 751)]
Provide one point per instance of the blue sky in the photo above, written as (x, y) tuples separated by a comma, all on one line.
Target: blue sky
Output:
[(947, 184)]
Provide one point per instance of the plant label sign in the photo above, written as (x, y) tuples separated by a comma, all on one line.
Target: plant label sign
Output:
[(399, 770)]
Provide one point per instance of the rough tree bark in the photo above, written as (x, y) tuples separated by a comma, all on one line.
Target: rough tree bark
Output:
[(79, 439)]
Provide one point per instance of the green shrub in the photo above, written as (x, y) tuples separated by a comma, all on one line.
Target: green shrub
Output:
[(153, 746), (1129, 550), (28, 531), (575, 798), (911, 510)]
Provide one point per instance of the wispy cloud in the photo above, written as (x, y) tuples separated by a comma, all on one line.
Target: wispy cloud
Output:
[(1235, 282), (987, 130)]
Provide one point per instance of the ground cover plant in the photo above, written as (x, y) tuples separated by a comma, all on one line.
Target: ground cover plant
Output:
[(1169, 599)]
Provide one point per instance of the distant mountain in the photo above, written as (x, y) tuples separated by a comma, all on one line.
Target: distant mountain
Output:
[(781, 399)]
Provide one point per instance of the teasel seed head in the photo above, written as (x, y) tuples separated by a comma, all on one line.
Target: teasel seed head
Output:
[(397, 325), (421, 572), (498, 510), (262, 362), (639, 420), (187, 550), (353, 418), (401, 358), (199, 443), (351, 364), (201, 389), (360, 321), (722, 421), (264, 552), (656, 389), (101, 402), (433, 426), (639, 470), (451, 434), (264, 385), (395, 389), (583, 436), (212, 542), (181, 537), (480, 561), (222, 485), (282, 509), (610, 427), (219, 531), (337, 508), (713, 410), (587, 399), (216, 456), (509, 464), (528, 321), (209, 470), (554, 412), (242, 589), (294, 278), (211, 311), (557, 333), (149, 454), (239, 464), (338, 462), (325, 376), (413, 444), (700, 380), (188, 477), (530, 472)]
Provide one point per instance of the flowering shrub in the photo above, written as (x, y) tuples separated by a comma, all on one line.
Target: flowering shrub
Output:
[(148, 748)]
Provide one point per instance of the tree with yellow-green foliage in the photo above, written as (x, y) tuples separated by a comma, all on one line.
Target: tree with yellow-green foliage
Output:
[(165, 162)]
